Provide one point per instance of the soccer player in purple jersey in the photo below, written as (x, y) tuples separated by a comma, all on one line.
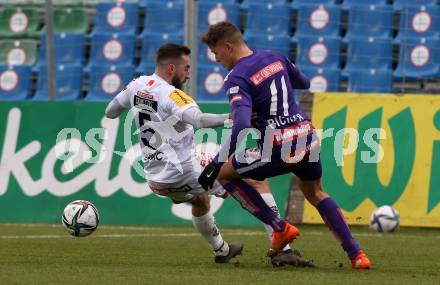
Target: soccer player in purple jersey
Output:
[(262, 83)]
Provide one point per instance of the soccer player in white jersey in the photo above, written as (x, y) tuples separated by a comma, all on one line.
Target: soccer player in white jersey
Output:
[(165, 117)]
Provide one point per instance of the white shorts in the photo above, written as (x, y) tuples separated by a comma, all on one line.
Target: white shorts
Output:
[(185, 189)]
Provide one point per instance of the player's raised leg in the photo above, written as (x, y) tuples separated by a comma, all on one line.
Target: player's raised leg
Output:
[(335, 221), (204, 222), (263, 188)]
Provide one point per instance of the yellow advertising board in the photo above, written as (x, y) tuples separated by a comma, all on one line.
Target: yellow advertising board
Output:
[(379, 149)]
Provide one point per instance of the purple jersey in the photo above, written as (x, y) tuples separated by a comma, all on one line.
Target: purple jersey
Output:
[(263, 84)]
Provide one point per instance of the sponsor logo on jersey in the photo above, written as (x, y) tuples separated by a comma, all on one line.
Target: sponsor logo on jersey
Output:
[(144, 94), (235, 98), (146, 104), (267, 72), (293, 132), (233, 90), (180, 98)]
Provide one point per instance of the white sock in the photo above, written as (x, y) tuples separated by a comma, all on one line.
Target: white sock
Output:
[(206, 226), (270, 201)]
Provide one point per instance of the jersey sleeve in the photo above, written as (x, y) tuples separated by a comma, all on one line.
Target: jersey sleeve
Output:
[(124, 96), (179, 101), (297, 78), (239, 92)]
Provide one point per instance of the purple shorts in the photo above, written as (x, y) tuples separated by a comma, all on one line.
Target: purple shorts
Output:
[(249, 164)]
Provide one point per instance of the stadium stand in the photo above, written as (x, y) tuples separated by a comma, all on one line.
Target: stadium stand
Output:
[(70, 20), (268, 18), (401, 4), (60, 2), (297, 3), (212, 12), (323, 36), (170, 21), (145, 3), (9, 2), (419, 58), (116, 18), (348, 4), (19, 22), (210, 84), (370, 81), (323, 79), (105, 81), (370, 21), (419, 21), (68, 83), (319, 20), (18, 52), (319, 52), (15, 82), (280, 43), (245, 4), (150, 45), (369, 53), (112, 49), (69, 49)]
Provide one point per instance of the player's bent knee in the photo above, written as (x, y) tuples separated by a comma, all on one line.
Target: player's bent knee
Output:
[(312, 190), (227, 173), (200, 205)]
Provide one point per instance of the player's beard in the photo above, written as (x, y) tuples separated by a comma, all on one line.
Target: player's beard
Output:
[(176, 82)]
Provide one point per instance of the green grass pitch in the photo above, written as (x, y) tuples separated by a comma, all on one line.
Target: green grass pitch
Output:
[(46, 254)]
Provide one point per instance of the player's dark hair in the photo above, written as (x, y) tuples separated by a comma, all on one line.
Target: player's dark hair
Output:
[(220, 32), (171, 51)]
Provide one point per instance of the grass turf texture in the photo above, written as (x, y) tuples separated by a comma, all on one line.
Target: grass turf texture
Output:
[(46, 254)]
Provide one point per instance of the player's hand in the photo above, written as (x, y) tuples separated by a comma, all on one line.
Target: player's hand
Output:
[(208, 175)]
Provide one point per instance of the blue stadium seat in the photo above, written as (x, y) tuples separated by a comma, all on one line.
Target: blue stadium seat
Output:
[(116, 18), (145, 3), (419, 58), (419, 21), (164, 17), (323, 79), (348, 4), (150, 45), (370, 21), (15, 82), (116, 49), (279, 43), (369, 53), (268, 18), (370, 81), (69, 49), (246, 3), (401, 4), (318, 52), (107, 81), (68, 83), (318, 20), (297, 3), (210, 83), (212, 12)]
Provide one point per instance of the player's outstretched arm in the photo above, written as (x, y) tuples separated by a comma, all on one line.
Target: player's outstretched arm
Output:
[(114, 109), (199, 119)]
